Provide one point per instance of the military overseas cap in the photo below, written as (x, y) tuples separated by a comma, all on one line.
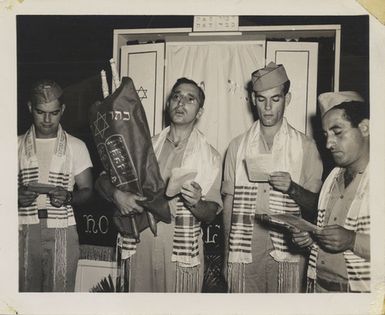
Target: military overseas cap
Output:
[(269, 77), (45, 91), (329, 100)]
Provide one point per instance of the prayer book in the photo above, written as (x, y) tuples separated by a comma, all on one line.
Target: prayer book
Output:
[(179, 176)]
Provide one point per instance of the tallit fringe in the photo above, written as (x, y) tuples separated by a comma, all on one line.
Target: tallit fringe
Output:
[(310, 285), (60, 261), (236, 278), (93, 252), (127, 273), (123, 275), (187, 279), (288, 277), (23, 243)]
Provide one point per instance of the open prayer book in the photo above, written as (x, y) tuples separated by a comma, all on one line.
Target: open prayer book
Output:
[(258, 169), (40, 188), (179, 176)]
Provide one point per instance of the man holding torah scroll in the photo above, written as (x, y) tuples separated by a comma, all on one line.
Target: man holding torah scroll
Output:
[(51, 163), (172, 261), (123, 140), (270, 169), (340, 247)]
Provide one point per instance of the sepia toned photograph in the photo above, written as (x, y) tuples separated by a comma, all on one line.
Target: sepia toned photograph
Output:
[(207, 157), (128, 97)]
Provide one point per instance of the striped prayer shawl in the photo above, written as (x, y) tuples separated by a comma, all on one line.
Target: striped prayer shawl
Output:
[(60, 174), (357, 220), (200, 156), (185, 241), (287, 153), (244, 205), (126, 245), (242, 223), (125, 248)]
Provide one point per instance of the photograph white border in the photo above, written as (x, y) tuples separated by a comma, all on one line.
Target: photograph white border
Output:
[(12, 302)]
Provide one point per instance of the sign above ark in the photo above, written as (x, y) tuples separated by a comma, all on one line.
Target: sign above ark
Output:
[(215, 23)]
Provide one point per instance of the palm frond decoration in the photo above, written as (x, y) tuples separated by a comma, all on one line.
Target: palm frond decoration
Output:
[(105, 285)]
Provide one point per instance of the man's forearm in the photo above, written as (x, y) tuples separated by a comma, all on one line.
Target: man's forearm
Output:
[(104, 187), (81, 196), (227, 210), (362, 246), (306, 199)]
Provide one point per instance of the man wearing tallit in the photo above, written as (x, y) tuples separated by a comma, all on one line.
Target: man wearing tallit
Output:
[(259, 257), (173, 260), (340, 247), (52, 163)]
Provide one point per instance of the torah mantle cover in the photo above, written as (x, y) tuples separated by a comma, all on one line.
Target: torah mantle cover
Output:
[(120, 130)]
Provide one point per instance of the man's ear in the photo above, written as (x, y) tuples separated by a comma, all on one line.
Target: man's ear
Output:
[(364, 127), (29, 104), (253, 98), (167, 108), (199, 113), (63, 107), (287, 99)]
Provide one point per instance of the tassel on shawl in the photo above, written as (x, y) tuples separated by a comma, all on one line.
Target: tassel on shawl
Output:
[(124, 267), (236, 278), (93, 252), (23, 246), (310, 285), (124, 275), (288, 277), (60, 261), (187, 279)]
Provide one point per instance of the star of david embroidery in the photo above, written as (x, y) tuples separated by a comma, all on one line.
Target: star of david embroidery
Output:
[(100, 124), (142, 93)]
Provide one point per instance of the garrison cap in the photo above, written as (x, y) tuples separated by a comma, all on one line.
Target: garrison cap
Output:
[(269, 77), (45, 91), (329, 100)]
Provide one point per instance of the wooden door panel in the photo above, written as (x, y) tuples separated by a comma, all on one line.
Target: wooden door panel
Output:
[(144, 63), (300, 61)]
